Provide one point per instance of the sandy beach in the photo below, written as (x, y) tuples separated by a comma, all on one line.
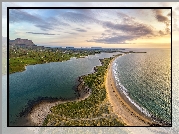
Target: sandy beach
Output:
[(127, 112), (121, 106)]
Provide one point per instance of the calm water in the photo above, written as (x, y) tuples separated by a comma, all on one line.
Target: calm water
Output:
[(146, 80), (55, 79)]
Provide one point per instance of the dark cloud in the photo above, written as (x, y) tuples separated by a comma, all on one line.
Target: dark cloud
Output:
[(118, 39), (41, 33), (167, 30), (164, 19), (137, 28), (51, 23), (169, 14), (80, 30), (44, 27), (70, 32), (125, 18), (160, 17), (18, 15), (127, 30), (79, 18), (161, 32)]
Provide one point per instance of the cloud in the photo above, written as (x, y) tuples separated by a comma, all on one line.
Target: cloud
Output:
[(127, 30), (56, 21), (161, 32), (118, 39), (164, 19), (70, 32), (125, 18), (80, 18), (44, 27), (41, 33), (51, 23), (61, 18), (119, 28), (18, 15), (169, 14), (160, 17), (137, 28), (80, 30)]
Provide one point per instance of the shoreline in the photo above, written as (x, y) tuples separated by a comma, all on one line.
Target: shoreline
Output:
[(121, 106), (39, 111), (125, 110)]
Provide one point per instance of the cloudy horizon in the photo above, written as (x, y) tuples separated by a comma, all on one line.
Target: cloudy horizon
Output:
[(108, 28)]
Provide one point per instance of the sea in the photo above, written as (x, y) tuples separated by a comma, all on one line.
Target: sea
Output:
[(145, 78)]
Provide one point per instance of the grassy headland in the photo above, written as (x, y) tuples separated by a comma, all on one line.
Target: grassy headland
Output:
[(19, 57), (93, 111)]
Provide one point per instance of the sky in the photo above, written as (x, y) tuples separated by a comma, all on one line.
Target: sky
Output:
[(109, 28)]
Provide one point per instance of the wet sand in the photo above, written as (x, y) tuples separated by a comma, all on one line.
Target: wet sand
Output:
[(121, 106)]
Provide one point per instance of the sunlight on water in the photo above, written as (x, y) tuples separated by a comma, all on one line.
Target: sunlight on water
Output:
[(146, 80)]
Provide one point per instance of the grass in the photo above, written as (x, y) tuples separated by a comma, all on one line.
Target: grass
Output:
[(20, 57), (93, 111)]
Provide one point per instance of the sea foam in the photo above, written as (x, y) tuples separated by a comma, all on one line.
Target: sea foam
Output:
[(124, 90)]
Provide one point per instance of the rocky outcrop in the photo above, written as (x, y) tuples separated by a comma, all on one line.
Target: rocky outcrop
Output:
[(21, 42)]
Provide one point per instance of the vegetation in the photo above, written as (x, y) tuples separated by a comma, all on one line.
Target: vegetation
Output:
[(93, 111), (19, 57)]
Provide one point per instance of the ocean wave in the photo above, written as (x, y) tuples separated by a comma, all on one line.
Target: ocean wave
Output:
[(124, 90)]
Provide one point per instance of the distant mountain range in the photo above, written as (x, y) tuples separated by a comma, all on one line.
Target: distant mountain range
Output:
[(21, 42)]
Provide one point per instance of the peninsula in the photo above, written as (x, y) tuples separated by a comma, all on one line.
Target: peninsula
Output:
[(99, 102)]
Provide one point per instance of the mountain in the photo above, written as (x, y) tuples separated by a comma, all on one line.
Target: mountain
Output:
[(21, 42)]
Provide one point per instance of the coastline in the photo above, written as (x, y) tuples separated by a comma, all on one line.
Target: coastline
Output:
[(127, 112), (39, 111), (121, 106), (36, 113)]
